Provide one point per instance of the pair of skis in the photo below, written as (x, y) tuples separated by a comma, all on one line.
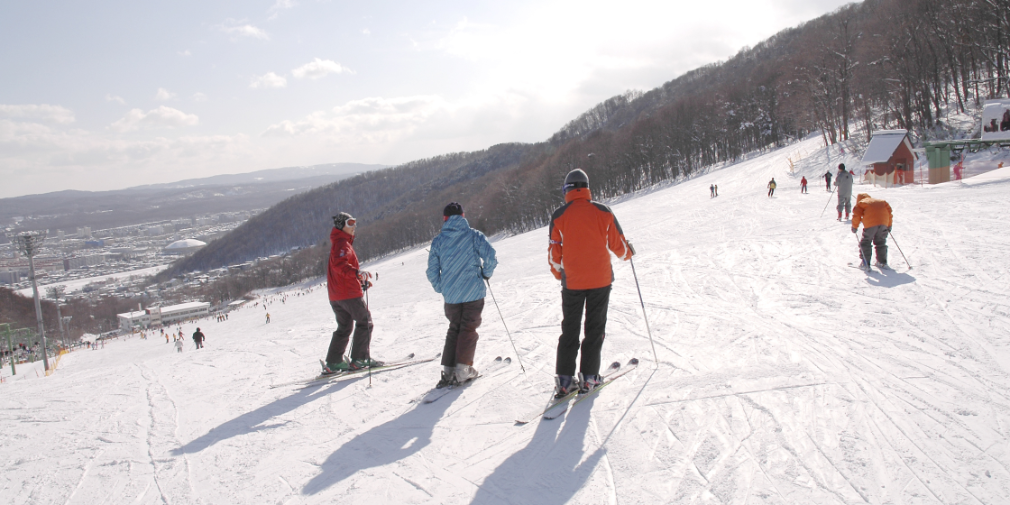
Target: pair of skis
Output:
[(558, 406), (406, 361), (492, 369)]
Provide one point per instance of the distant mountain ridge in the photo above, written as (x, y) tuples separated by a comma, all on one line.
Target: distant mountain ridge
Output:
[(70, 209)]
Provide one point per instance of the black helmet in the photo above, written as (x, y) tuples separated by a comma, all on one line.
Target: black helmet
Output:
[(575, 179)]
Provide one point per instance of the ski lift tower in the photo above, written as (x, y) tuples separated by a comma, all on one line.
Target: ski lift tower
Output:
[(29, 243)]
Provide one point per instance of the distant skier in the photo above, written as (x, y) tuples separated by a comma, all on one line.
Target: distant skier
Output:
[(268, 318), (581, 232), (843, 181), (877, 220), (711, 191), (716, 190), (459, 261), (771, 187), (346, 285), (198, 337), (803, 185), (178, 345), (827, 180)]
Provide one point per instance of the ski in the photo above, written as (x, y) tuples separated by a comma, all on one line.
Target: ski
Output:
[(320, 379), (493, 368), (632, 364), (554, 403)]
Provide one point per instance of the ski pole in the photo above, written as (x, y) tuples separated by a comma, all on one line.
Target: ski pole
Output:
[(369, 353), (488, 282), (642, 301), (829, 201), (899, 250)]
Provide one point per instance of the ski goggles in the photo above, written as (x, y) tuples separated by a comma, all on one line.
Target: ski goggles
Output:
[(351, 222)]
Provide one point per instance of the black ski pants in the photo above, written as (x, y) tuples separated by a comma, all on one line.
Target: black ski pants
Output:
[(461, 339), (351, 315), (878, 236), (573, 301)]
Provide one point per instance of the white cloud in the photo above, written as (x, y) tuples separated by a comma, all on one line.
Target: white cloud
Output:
[(109, 97), (44, 112), (164, 117), (366, 31), (184, 53), (164, 94), (280, 5), (268, 80), (240, 28), (318, 68), (199, 97), (370, 120)]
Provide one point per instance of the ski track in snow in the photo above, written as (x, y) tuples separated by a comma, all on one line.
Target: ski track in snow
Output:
[(783, 376)]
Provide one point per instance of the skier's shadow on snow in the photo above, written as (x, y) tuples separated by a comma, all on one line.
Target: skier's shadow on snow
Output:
[(381, 445), (888, 278), (550, 469), (253, 421)]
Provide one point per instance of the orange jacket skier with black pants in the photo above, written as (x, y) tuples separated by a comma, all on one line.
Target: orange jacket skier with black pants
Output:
[(877, 219), (582, 235)]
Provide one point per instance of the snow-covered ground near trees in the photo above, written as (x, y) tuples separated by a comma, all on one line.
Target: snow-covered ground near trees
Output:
[(784, 375)]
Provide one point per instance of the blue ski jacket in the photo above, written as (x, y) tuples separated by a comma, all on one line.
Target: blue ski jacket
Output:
[(457, 258)]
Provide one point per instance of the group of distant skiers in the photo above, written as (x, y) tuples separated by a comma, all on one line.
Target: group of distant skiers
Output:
[(198, 338), (461, 261)]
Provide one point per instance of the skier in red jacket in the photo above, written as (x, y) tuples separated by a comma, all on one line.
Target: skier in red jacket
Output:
[(345, 283)]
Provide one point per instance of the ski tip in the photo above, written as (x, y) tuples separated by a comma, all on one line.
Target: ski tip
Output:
[(616, 364), (508, 360), (410, 356), (498, 359), (634, 361)]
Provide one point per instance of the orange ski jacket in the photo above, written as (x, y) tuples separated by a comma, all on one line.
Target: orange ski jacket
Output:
[(581, 233), (871, 212)]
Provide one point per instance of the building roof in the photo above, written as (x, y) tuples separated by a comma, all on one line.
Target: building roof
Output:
[(185, 244), (882, 145), (183, 306)]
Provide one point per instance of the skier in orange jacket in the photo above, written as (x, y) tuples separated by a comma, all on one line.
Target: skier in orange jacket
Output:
[(583, 233)]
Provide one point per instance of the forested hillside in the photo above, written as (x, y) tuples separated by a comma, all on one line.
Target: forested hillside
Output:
[(878, 64)]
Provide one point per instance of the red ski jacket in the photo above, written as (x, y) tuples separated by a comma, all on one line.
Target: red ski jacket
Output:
[(342, 273)]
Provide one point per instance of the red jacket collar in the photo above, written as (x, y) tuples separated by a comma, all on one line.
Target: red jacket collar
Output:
[(577, 194), (337, 233)]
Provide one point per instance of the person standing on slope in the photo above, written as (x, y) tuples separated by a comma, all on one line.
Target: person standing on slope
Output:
[(803, 185), (459, 261), (877, 220), (581, 232), (827, 180), (178, 345), (843, 181), (771, 187), (346, 285), (711, 190), (198, 338)]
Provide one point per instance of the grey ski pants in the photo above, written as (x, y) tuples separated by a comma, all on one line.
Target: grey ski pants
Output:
[(351, 314), (877, 235), (844, 203)]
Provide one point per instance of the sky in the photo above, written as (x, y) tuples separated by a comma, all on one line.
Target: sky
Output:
[(112, 94)]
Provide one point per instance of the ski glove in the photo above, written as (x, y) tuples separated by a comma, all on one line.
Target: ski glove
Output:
[(888, 230), (854, 230), (363, 276), (365, 285)]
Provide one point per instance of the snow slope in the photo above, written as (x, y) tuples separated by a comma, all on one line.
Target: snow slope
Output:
[(784, 376)]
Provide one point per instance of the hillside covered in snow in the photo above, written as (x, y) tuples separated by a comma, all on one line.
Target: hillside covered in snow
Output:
[(784, 375)]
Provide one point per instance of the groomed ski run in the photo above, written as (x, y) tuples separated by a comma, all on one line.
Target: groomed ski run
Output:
[(784, 377)]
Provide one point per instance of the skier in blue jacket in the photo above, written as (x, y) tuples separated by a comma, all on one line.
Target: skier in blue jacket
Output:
[(459, 261)]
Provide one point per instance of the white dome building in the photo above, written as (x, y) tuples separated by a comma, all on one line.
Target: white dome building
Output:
[(184, 247)]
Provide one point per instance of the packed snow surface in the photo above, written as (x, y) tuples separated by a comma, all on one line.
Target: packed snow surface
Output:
[(784, 375)]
